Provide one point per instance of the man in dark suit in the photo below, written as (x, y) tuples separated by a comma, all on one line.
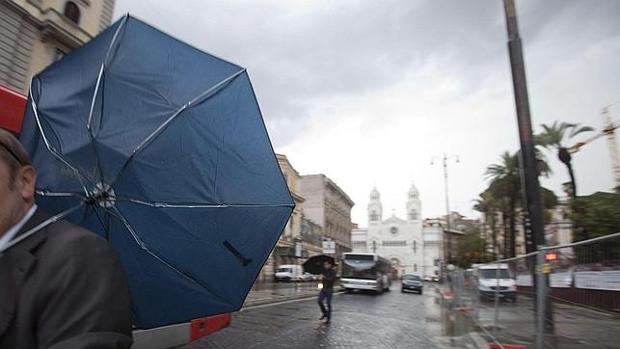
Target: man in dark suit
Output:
[(61, 287)]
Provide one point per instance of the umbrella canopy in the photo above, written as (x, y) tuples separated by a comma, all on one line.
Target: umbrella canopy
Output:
[(160, 148), (314, 265)]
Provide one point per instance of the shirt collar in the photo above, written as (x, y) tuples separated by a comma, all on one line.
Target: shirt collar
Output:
[(10, 234)]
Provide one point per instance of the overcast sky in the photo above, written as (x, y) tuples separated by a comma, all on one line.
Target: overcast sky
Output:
[(368, 92)]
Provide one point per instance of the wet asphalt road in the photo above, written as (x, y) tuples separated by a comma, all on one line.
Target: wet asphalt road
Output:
[(359, 320)]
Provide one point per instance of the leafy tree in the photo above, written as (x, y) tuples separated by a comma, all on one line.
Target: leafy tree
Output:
[(597, 215), (555, 136), (471, 249)]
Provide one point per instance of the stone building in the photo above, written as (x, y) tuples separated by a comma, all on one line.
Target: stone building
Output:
[(35, 33), (301, 237), (433, 230), (330, 207)]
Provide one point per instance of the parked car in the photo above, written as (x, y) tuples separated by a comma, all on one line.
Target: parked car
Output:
[(308, 277), (411, 282), (435, 278), (496, 279), (428, 278), (289, 272)]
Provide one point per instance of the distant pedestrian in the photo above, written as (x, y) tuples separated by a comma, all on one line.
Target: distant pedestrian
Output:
[(327, 278)]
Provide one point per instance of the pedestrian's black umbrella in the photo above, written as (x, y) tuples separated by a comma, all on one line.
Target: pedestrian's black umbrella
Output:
[(160, 148), (314, 265)]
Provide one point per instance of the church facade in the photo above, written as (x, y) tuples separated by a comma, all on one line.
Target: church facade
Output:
[(400, 240)]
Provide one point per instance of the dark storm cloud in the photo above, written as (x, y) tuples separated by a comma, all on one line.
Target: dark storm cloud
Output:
[(345, 86), (301, 52)]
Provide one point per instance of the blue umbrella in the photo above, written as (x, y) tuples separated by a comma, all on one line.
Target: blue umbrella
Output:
[(161, 148)]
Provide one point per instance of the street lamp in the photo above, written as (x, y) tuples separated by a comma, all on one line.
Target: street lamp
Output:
[(444, 160)]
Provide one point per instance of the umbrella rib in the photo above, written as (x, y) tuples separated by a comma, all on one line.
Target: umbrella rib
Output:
[(42, 225), (51, 149), (195, 205), (118, 30), (117, 214), (159, 130), (94, 99), (43, 192), (102, 71), (88, 125)]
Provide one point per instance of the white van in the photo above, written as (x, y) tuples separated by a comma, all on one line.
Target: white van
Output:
[(289, 272), (495, 279)]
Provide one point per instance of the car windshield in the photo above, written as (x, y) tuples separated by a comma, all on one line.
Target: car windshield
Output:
[(283, 270), (411, 278), (495, 273)]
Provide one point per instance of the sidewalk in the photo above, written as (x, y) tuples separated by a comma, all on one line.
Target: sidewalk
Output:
[(575, 326), (272, 292)]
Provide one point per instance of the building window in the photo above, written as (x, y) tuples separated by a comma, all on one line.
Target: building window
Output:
[(414, 247), (396, 243), (413, 215), (59, 54), (394, 230), (72, 12)]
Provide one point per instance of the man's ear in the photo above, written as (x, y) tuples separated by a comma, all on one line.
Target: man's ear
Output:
[(26, 179)]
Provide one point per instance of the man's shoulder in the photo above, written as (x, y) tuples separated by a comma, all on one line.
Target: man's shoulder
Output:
[(63, 235)]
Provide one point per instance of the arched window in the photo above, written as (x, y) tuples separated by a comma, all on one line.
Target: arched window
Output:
[(72, 12), (394, 230), (413, 215)]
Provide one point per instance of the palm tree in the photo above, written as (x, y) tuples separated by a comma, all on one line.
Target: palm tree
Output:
[(555, 136), (504, 188), (486, 205)]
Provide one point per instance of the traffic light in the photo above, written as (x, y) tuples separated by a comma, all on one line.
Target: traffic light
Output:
[(551, 256)]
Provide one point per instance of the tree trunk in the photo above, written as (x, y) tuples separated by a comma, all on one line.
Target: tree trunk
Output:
[(565, 157), (506, 235), (513, 235), (494, 232)]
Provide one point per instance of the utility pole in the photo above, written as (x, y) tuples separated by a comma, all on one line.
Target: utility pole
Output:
[(529, 174)]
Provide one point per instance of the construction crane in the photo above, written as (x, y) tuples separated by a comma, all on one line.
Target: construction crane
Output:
[(609, 131)]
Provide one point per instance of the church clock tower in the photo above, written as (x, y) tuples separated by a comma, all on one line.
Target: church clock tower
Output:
[(375, 209), (414, 205)]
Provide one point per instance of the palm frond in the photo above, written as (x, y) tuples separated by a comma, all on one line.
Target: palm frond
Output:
[(577, 130)]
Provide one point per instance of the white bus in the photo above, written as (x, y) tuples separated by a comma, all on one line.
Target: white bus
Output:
[(365, 271)]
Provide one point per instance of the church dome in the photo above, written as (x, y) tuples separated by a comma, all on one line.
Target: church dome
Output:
[(374, 194)]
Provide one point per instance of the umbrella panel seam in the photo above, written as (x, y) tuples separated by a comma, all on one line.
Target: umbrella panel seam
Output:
[(52, 150), (145, 248), (202, 97)]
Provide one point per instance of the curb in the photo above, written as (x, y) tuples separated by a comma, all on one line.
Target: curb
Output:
[(314, 293)]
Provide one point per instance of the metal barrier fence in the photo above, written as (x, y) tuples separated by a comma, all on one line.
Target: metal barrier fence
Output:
[(558, 297)]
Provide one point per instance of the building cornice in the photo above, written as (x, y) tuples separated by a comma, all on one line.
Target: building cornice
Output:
[(52, 24)]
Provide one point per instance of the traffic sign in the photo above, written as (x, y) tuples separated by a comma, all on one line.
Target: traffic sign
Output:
[(329, 247)]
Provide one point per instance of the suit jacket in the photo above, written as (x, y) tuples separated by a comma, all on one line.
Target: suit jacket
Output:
[(63, 288)]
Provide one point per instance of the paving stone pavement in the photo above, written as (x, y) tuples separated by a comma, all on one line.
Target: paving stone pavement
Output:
[(274, 292), (359, 320)]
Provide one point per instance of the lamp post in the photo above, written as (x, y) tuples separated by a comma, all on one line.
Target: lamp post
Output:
[(445, 158)]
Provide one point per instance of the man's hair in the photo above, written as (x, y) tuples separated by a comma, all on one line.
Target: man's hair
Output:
[(12, 153)]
